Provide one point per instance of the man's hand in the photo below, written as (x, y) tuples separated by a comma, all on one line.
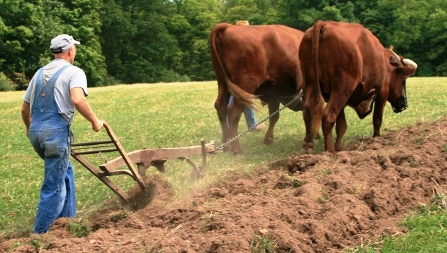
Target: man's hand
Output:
[(97, 125)]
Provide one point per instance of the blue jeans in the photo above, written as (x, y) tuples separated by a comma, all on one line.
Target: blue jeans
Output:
[(57, 196), (249, 114)]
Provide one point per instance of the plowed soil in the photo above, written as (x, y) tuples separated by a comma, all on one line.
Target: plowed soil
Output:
[(306, 203)]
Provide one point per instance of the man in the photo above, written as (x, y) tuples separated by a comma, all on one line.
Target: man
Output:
[(48, 108)]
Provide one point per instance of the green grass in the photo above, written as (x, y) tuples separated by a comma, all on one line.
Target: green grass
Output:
[(427, 230), (174, 115)]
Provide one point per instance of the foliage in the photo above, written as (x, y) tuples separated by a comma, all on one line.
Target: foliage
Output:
[(6, 84), (162, 41), (137, 44), (26, 29)]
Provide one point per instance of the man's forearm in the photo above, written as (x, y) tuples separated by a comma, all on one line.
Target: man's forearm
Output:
[(85, 110), (26, 116)]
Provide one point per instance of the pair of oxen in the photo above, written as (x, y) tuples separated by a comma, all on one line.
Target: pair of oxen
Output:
[(320, 72)]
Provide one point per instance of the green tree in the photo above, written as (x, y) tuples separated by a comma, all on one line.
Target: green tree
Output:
[(196, 19), (257, 12), (84, 23), (137, 44), (28, 26), (302, 14), (412, 27), (433, 52)]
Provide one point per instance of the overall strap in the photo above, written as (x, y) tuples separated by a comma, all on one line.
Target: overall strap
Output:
[(39, 78)]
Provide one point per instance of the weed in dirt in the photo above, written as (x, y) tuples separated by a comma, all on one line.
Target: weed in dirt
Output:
[(322, 199), (418, 140), (295, 183), (79, 230), (262, 244), (39, 245), (389, 143), (441, 201), (325, 171), (444, 149), (206, 220), (115, 217)]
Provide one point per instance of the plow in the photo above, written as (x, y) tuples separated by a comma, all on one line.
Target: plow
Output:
[(134, 164)]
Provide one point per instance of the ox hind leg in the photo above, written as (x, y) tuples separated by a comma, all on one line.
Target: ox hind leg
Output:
[(221, 106), (340, 129), (235, 111), (312, 115), (311, 130), (331, 114), (273, 107)]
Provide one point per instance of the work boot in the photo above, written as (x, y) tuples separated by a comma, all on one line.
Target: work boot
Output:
[(260, 127)]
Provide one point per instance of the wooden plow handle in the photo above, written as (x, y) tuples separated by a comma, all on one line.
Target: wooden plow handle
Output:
[(136, 161)]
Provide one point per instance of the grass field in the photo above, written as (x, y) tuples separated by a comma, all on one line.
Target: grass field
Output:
[(170, 115)]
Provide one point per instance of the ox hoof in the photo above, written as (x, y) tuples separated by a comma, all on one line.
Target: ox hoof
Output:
[(307, 151), (268, 141), (238, 152), (329, 153), (332, 152), (308, 148)]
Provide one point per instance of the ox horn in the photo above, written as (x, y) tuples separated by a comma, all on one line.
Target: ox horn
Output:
[(408, 62), (393, 57)]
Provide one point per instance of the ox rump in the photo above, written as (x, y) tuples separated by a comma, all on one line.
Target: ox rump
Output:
[(344, 64), (254, 61)]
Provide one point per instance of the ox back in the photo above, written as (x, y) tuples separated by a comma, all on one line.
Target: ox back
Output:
[(344, 64), (254, 62)]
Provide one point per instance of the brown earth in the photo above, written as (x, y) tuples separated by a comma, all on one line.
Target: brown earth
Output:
[(307, 203)]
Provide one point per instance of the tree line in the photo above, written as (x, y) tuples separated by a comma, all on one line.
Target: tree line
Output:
[(148, 41)]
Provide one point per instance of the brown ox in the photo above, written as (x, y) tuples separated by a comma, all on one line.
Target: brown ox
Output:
[(254, 62), (345, 64)]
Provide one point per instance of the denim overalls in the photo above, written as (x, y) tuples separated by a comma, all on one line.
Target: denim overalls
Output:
[(49, 134)]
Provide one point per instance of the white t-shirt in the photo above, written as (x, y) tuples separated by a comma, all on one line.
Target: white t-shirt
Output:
[(70, 78)]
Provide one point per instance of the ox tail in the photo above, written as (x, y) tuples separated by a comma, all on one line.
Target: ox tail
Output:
[(317, 114), (240, 95)]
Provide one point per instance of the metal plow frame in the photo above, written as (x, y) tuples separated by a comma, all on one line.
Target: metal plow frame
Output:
[(142, 158)]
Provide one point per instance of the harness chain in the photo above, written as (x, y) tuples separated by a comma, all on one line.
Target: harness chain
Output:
[(300, 95)]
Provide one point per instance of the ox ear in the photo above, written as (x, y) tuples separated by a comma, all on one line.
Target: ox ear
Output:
[(392, 56)]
